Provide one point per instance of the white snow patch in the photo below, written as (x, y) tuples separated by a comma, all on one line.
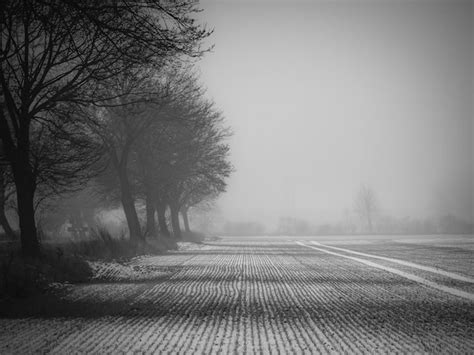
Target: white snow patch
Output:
[(189, 246)]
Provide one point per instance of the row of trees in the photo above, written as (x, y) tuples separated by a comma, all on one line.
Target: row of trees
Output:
[(169, 153), (446, 224), (101, 90), (366, 217)]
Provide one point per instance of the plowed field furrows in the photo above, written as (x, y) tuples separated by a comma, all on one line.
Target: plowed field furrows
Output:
[(246, 295)]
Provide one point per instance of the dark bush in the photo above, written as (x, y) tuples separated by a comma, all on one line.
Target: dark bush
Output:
[(194, 237), (21, 277)]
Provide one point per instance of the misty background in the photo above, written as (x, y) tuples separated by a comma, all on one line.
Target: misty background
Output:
[(326, 96)]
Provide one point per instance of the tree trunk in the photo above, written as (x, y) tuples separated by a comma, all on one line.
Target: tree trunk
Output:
[(161, 211), (128, 204), (25, 183), (3, 218), (175, 221), (184, 213), (25, 191), (150, 217), (5, 224)]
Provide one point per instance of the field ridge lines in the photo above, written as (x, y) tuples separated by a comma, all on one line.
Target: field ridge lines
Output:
[(406, 275)]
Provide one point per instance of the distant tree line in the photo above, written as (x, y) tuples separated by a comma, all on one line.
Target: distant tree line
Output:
[(102, 94), (447, 224), (365, 218)]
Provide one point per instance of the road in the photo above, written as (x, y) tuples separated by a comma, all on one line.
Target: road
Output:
[(263, 295)]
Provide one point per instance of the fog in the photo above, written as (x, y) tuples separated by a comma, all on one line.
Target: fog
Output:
[(237, 176), (323, 97)]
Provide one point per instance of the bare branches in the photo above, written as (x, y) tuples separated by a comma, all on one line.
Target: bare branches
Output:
[(366, 206), (59, 58)]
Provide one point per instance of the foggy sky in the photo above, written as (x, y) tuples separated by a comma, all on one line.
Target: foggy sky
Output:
[(325, 96)]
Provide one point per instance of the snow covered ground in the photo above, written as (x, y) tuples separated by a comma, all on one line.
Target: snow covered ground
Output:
[(263, 295)]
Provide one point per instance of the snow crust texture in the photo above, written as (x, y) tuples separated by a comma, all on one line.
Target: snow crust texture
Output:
[(260, 295)]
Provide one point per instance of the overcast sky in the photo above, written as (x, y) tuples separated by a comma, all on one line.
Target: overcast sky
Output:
[(325, 96)]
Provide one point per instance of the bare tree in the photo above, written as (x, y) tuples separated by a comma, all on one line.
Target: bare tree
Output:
[(366, 206), (199, 163), (182, 159), (54, 53), (144, 96), (119, 127)]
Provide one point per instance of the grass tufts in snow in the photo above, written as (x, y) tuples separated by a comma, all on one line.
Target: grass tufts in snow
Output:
[(103, 245), (21, 276)]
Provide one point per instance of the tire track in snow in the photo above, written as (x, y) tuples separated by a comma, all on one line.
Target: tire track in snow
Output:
[(406, 275), (402, 262)]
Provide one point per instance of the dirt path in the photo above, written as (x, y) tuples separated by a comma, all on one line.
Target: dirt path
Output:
[(243, 296)]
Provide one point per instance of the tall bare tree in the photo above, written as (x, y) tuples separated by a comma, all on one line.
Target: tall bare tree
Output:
[(182, 160), (53, 54), (141, 107), (366, 206), (198, 166)]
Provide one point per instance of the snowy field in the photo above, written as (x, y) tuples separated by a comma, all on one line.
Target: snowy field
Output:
[(374, 294)]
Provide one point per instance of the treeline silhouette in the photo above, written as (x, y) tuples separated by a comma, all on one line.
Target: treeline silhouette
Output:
[(103, 96), (446, 224)]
